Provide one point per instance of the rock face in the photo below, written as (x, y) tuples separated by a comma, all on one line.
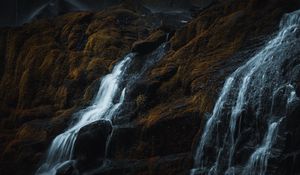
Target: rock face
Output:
[(187, 80), (89, 148), (150, 43), (50, 69)]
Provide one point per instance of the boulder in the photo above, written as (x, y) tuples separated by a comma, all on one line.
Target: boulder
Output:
[(67, 168), (150, 43), (90, 144)]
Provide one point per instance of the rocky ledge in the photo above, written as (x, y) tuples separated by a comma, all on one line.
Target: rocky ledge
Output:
[(51, 68)]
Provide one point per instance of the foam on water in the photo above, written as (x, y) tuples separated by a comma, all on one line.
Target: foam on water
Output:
[(259, 85)]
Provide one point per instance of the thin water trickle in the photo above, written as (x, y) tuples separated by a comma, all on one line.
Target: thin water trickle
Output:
[(258, 161), (259, 85)]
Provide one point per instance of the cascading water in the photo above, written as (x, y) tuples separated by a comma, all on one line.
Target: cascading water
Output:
[(254, 99), (103, 107)]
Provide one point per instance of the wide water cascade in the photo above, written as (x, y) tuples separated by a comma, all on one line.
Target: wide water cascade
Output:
[(240, 135), (104, 107)]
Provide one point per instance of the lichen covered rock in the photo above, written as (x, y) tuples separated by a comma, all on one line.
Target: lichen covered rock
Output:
[(51, 68)]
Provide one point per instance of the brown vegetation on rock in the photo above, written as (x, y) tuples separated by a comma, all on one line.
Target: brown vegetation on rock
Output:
[(182, 88), (51, 68)]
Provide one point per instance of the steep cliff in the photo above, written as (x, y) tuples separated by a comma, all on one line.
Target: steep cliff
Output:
[(50, 69)]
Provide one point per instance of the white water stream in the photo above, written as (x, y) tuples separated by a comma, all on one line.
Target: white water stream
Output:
[(102, 108), (259, 85)]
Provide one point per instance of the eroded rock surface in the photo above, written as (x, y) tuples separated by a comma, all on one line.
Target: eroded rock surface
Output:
[(51, 68)]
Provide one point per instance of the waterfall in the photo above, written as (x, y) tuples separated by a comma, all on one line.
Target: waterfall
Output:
[(103, 107), (254, 100)]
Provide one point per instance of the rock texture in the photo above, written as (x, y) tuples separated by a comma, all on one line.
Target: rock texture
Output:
[(51, 68), (171, 102), (150, 43), (90, 145)]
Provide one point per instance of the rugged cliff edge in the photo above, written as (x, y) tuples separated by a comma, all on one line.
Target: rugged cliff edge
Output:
[(51, 68)]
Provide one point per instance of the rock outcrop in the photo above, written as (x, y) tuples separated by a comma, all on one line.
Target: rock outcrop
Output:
[(90, 145), (50, 69), (180, 90), (150, 43)]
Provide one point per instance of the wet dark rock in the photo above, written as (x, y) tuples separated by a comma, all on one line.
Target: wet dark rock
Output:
[(290, 156), (89, 147), (149, 44), (158, 139), (167, 165), (51, 68), (122, 140), (68, 168)]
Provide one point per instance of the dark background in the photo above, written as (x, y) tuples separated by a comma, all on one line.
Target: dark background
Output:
[(18, 12)]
